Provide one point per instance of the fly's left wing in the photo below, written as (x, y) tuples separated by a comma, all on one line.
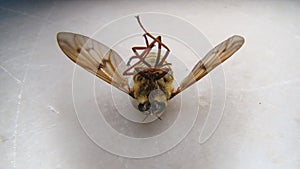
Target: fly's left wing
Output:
[(211, 60), (94, 57)]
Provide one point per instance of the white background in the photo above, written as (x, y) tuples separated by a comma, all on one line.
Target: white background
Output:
[(260, 127)]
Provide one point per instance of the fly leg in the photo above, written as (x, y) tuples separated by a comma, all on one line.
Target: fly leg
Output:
[(159, 63), (141, 56)]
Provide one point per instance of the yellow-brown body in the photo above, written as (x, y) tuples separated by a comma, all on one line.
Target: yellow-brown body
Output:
[(151, 93)]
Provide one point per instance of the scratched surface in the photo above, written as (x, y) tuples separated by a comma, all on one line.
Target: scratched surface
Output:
[(260, 120)]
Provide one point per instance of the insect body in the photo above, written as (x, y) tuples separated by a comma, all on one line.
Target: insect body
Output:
[(152, 87), (152, 74)]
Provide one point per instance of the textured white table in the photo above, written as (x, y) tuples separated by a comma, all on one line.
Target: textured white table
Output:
[(260, 127)]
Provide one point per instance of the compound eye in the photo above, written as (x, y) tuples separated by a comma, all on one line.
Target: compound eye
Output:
[(157, 107), (144, 106)]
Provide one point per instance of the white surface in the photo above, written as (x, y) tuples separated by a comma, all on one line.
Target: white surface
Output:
[(260, 127)]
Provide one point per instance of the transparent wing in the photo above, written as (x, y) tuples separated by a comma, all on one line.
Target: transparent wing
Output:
[(212, 59), (95, 57)]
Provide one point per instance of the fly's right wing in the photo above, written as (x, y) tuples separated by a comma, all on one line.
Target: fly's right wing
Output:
[(211, 60)]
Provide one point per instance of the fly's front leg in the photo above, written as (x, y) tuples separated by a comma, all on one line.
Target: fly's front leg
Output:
[(141, 57), (144, 54), (137, 55), (146, 40), (159, 63), (158, 40), (158, 52)]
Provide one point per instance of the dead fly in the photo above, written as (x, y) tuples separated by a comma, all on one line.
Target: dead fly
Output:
[(152, 74)]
